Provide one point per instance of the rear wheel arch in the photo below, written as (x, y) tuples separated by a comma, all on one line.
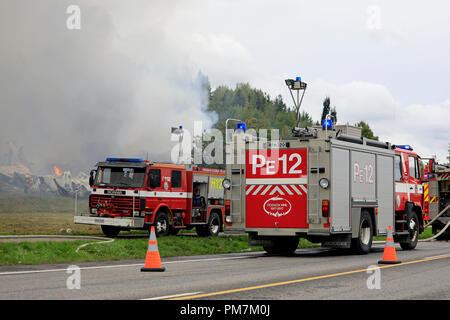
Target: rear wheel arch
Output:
[(220, 213), (371, 212), (163, 208), (418, 211), (363, 243)]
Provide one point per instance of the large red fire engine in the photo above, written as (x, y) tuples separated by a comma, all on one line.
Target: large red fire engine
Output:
[(135, 194)]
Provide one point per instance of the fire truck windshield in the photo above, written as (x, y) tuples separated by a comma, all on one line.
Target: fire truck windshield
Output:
[(123, 177)]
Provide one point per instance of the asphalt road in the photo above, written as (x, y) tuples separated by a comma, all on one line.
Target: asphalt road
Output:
[(309, 274)]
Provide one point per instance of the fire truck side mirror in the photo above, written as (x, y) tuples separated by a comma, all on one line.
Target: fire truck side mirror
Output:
[(226, 183), (432, 166), (91, 177)]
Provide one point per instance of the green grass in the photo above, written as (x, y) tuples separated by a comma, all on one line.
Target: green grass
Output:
[(425, 235), (40, 204), (21, 214), (19, 253)]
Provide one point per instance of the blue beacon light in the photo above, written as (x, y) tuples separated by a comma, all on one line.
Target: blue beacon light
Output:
[(241, 126), (124, 160), (327, 124), (405, 147)]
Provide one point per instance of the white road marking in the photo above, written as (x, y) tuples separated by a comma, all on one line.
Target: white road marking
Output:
[(173, 296), (442, 255), (117, 266)]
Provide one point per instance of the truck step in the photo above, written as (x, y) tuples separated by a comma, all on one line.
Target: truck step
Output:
[(400, 221), (401, 233)]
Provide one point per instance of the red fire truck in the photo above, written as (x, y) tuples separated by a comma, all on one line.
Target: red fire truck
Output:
[(130, 193)]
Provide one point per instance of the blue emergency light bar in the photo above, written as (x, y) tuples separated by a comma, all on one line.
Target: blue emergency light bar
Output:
[(404, 147), (241, 126), (124, 160), (327, 124)]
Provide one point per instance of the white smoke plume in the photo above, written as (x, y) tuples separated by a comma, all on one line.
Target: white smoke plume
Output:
[(73, 97)]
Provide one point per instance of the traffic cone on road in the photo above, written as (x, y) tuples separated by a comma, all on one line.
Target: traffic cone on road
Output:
[(389, 254), (152, 259)]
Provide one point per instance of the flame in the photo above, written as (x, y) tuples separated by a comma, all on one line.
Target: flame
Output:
[(57, 170)]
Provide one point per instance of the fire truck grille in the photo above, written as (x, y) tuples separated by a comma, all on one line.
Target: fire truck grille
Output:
[(118, 205)]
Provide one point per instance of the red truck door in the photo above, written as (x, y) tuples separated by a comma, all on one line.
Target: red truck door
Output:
[(276, 188), (154, 184), (178, 189), (415, 186)]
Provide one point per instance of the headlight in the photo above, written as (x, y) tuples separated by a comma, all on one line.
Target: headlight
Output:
[(226, 184), (324, 183)]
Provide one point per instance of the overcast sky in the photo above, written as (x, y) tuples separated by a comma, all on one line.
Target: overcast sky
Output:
[(115, 86)]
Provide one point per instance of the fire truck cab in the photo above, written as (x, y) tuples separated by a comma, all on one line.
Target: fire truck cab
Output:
[(129, 193)]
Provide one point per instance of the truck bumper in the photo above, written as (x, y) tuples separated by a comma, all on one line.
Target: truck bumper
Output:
[(132, 223)]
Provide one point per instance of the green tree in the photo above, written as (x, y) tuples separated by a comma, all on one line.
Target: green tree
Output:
[(256, 108), (366, 131), (326, 109)]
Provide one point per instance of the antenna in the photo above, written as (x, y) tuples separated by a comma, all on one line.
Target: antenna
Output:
[(298, 86)]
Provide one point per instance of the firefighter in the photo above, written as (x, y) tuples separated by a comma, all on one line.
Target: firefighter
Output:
[(196, 197)]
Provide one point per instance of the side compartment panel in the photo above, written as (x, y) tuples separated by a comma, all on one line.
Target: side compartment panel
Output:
[(385, 192), (340, 190), (363, 177)]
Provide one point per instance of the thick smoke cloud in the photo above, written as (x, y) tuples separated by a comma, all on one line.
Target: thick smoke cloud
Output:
[(72, 97)]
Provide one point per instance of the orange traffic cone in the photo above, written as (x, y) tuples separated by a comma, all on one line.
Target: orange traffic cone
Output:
[(389, 255), (152, 259)]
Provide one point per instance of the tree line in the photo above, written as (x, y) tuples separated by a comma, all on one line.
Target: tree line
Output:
[(259, 110)]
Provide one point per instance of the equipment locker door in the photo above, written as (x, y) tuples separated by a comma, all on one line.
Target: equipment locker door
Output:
[(340, 190), (385, 193)]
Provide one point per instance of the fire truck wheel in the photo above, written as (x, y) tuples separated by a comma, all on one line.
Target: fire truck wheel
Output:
[(413, 227), (363, 243), (214, 225), (162, 225), (283, 246), (202, 231), (173, 231), (212, 228), (110, 231)]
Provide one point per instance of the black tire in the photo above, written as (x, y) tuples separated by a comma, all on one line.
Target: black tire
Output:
[(283, 246), (201, 231), (110, 231), (212, 228), (413, 227), (162, 225), (363, 243), (173, 231)]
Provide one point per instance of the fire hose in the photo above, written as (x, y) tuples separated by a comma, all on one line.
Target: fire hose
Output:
[(443, 229), (97, 242), (429, 223)]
